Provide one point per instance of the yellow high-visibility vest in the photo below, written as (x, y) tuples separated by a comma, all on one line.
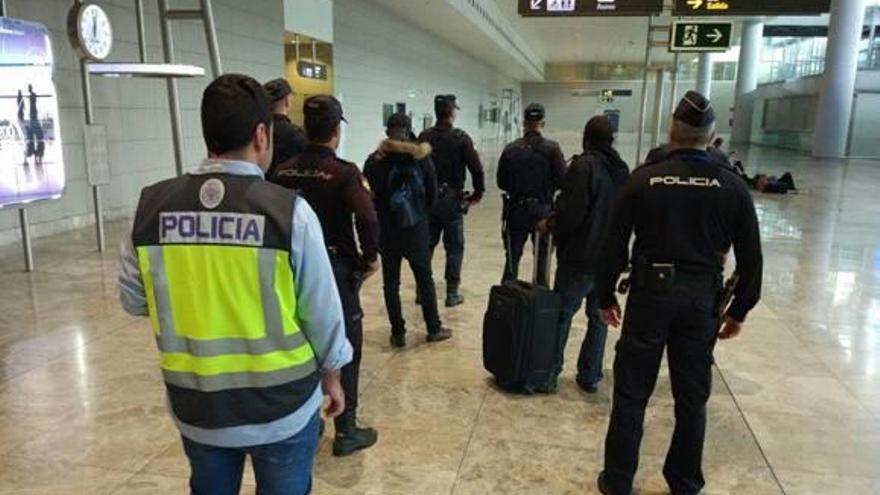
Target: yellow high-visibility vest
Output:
[(222, 301)]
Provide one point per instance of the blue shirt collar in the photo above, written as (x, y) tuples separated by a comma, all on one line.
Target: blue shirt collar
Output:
[(232, 167)]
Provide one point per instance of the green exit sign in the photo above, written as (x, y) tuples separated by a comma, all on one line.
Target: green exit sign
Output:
[(700, 36)]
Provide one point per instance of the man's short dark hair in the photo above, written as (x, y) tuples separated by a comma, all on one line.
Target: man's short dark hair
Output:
[(233, 105), (320, 129)]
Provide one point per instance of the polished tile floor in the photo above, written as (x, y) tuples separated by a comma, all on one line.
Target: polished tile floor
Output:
[(797, 410)]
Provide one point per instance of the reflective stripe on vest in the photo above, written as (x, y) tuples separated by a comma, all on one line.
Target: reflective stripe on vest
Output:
[(234, 326)]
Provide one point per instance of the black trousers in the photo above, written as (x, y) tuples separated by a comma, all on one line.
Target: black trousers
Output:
[(515, 241), (348, 281), (683, 320), (413, 246), (447, 221)]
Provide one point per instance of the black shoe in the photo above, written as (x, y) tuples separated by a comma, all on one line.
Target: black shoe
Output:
[(350, 438), (454, 299), (590, 388), (398, 340), (440, 335)]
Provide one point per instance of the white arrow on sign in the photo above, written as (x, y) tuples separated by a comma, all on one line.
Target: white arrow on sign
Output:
[(695, 4), (536, 4), (715, 36)]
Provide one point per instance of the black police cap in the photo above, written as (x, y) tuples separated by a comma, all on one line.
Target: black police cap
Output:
[(442, 102), (695, 110), (278, 88), (323, 107), (534, 112)]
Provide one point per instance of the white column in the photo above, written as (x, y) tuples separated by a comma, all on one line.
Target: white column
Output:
[(746, 80), (656, 127), (704, 74), (839, 81)]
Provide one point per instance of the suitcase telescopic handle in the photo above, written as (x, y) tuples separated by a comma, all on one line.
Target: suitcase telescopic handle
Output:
[(536, 251)]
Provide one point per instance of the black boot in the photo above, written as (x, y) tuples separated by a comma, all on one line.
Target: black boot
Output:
[(440, 335), (453, 297), (603, 484), (398, 340), (349, 438)]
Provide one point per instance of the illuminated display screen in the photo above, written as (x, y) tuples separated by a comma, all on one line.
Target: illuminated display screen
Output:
[(31, 161), (311, 70)]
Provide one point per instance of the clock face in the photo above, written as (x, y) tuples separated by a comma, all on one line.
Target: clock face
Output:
[(95, 32)]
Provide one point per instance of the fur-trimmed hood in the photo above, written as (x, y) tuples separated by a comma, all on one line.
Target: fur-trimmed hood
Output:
[(418, 151)]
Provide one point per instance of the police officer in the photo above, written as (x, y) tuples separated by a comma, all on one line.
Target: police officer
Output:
[(404, 182), (686, 213), (530, 170), (289, 139), (234, 275), (453, 153), (338, 192)]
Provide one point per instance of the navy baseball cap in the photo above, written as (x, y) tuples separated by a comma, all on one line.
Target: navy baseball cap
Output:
[(442, 102), (323, 106), (278, 88), (695, 110), (534, 112)]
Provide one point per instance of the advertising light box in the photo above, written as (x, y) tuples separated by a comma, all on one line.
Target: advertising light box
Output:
[(31, 161)]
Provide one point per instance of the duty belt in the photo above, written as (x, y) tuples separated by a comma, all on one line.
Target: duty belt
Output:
[(526, 201), (657, 275)]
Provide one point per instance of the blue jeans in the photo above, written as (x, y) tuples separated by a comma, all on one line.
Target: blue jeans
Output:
[(282, 468), (574, 287)]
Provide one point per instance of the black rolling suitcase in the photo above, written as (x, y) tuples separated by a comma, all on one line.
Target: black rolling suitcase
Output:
[(521, 332)]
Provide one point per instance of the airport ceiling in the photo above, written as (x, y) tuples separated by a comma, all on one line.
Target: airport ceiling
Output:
[(604, 39), (578, 39)]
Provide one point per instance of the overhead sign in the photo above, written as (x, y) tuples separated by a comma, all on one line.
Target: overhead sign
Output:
[(31, 159), (700, 36), (750, 7), (575, 8)]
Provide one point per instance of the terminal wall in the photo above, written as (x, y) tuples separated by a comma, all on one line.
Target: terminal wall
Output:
[(381, 59), (136, 111)]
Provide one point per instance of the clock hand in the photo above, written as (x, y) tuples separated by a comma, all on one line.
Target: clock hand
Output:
[(95, 26)]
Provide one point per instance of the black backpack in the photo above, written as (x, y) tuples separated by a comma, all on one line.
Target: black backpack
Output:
[(531, 170), (407, 199)]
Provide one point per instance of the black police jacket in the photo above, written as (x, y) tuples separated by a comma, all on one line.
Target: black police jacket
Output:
[(687, 211), (453, 153), (337, 192), (288, 140), (531, 168), (377, 169), (583, 209)]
